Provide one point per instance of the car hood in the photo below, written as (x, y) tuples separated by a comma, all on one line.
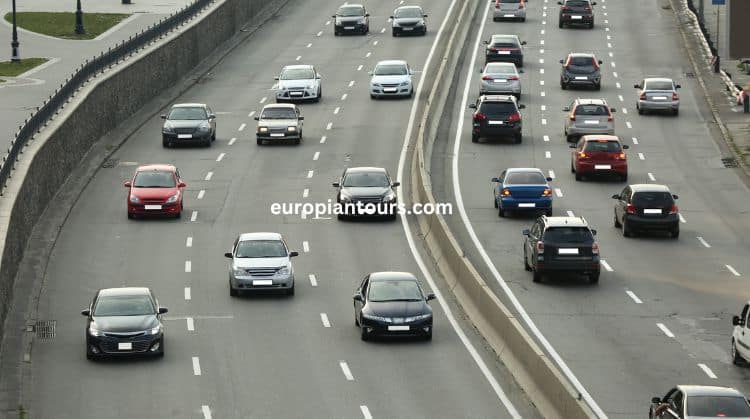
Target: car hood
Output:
[(124, 324), (389, 79), (288, 84), (407, 20), (153, 193), (373, 191), (349, 19), (184, 123), (261, 262), (398, 308), (275, 123)]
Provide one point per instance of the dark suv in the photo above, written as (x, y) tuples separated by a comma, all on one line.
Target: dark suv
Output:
[(576, 12), (646, 207), (580, 69), (561, 244), (496, 116), (504, 48)]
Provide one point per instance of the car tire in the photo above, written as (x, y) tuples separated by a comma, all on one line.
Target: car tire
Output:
[(520, 63), (411, 93), (335, 33), (594, 278), (166, 143), (737, 359), (374, 97), (675, 233), (474, 138), (290, 291), (579, 177), (131, 215), (259, 141), (591, 25), (494, 201), (161, 352), (617, 222), (523, 19), (494, 19), (233, 292), (548, 212), (598, 86), (559, 24), (563, 85), (624, 177), (178, 215), (213, 137), (428, 336), (89, 355), (207, 142), (394, 33), (675, 112), (518, 138), (363, 334), (626, 229), (297, 140), (537, 277), (572, 168), (500, 212), (526, 265)]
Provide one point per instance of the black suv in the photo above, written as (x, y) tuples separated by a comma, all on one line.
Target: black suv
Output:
[(561, 244), (504, 48), (351, 18), (646, 207), (496, 116), (366, 189), (580, 69), (576, 12)]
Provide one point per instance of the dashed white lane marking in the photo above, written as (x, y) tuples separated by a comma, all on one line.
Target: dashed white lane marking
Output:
[(190, 324), (336, 111), (263, 99), (196, 366), (328, 22), (316, 156), (614, 73), (310, 174), (375, 43), (242, 127), (206, 412), (707, 370), (324, 319), (544, 121), (344, 96), (541, 82), (552, 174), (541, 71), (546, 138), (651, 177), (609, 37), (201, 193), (382, 30), (541, 50), (543, 107), (345, 369), (365, 412), (368, 54), (232, 140), (621, 98), (313, 280), (329, 126), (250, 115), (189, 242), (194, 216), (547, 155), (541, 32), (558, 192), (641, 156), (299, 57), (628, 124), (221, 156), (541, 42), (187, 293), (323, 139), (732, 270), (351, 83), (305, 246), (609, 45), (188, 266), (617, 84), (635, 140), (306, 193), (606, 21), (319, 33), (703, 242), (209, 175), (625, 111), (570, 213), (682, 219), (541, 61), (309, 45), (606, 265), (542, 94), (611, 54), (359, 67), (544, 22), (634, 297), (665, 330)]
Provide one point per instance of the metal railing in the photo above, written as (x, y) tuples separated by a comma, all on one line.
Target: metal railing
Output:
[(88, 69)]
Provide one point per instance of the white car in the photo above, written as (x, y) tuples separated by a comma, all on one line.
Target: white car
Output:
[(741, 336), (391, 78), (299, 82)]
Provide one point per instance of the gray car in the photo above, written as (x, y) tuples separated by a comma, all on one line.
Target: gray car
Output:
[(260, 261), (500, 78), (657, 94), (509, 9), (279, 122), (188, 123), (580, 70), (391, 78), (299, 82), (408, 20), (699, 402), (588, 116)]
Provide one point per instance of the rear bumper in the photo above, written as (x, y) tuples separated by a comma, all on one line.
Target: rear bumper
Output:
[(668, 223), (577, 131), (568, 19), (498, 131), (570, 79), (509, 14), (286, 136), (514, 88), (588, 168), (524, 204), (583, 267), (661, 105)]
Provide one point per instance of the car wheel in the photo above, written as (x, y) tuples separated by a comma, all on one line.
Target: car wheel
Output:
[(537, 276), (548, 212), (165, 143), (89, 355), (736, 357), (373, 96), (207, 142), (518, 138), (579, 177), (598, 86), (394, 33), (626, 229), (494, 19), (178, 215), (335, 33), (520, 63), (160, 354), (494, 201), (474, 138), (523, 19), (213, 137), (428, 336), (591, 25), (526, 262), (572, 168), (675, 112), (617, 222), (594, 278), (131, 215), (233, 292), (624, 177), (411, 93), (500, 212), (297, 141), (559, 24), (290, 291), (363, 333), (675, 233), (640, 111), (563, 85), (259, 141)]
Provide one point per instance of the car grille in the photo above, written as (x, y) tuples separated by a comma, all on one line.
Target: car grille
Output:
[(152, 201), (368, 199), (184, 130), (389, 85), (124, 335), (262, 271), (138, 346), (408, 24)]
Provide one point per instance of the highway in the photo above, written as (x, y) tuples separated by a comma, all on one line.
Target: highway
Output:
[(264, 356), (661, 314)]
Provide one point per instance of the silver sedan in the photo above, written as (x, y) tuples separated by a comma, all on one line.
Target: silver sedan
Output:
[(657, 94), (299, 82), (500, 78)]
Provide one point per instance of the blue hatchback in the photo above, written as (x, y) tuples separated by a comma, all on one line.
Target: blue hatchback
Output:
[(522, 189)]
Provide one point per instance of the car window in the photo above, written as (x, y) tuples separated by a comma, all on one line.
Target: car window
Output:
[(577, 3), (743, 316), (260, 249), (503, 68), (605, 146), (124, 305), (718, 406), (510, 1), (349, 11), (592, 110), (405, 290), (535, 229), (525, 178), (497, 108), (505, 43), (568, 235), (278, 113), (390, 70), (184, 113), (581, 61), (366, 180), (153, 179), (658, 85), (652, 199), (408, 12), (297, 74)]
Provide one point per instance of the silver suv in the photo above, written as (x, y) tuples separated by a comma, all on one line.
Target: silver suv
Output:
[(260, 261), (298, 82), (588, 116)]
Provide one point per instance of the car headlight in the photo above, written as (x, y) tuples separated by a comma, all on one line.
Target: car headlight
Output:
[(204, 127), (284, 271), (404, 83), (167, 128), (361, 20), (338, 22), (155, 331), (375, 84), (95, 332), (262, 129), (172, 199), (417, 318), (291, 129), (390, 196), (134, 199), (345, 198), (420, 23), (377, 318), (239, 271)]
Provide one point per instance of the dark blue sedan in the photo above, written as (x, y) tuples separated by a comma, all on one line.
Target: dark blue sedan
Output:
[(522, 189)]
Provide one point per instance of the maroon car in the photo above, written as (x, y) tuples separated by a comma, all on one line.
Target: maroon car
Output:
[(156, 189), (599, 155)]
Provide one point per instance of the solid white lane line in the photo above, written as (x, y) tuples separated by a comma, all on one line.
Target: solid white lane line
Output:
[(310, 174), (732, 270), (221, 156), (609, 37), (316, 156), (544, 121), (201, 193), (665, 330), (335, 111), (606, 265), (313, 280), (651, 177), (319, 33), (628, 124), (635, 298), (621, 98), (558, 192), (641, 156), (190, 324), (635, 140), (546, 138), (242, 127), (345, 369), (196, 366), (194, 216), (187, 293), (250, 115), (359, 67), (570, 213), (206, 412), (305, 246), (365, 412), (188, 266), (232, 140), (703, 242), (324, 319), (309, 45), (305, 193), (263, 99), (351, 83), (682, 219), (323, 139), (329, 126), (209, 175), (189, 242), (547, 155), (343, 97), (552, 174), (707, 370)]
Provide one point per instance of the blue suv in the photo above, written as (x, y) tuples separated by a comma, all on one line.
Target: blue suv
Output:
[(523, 190)]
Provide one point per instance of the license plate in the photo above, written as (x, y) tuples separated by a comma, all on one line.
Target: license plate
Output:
[(125, 346), (652, 211), (581, 78), (567, 251), (576, 17), (348, 27), (500, 80), (152, 207), (389, 89), (602, 166), (527, 205), (504, 52), (590, 122), (495, 122), (184, 135), (407, 29), (262, 282), (277, 134), (398, 328), (507, 15), (296, 93), (659, 98)]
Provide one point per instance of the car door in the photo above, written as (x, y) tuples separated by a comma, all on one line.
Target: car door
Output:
[(743, 337), (568, 119), (531, 240), (361, 290), (621, 203), (499, 186), (211, 119), (671, 402)]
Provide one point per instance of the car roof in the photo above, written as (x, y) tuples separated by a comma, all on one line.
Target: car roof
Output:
[(391, 276), (500, 64), (695, 390), (280, 106), (591, 101), (522, 169), (648, 187), (364, 169), (260, 236), (189, 105), (156, 168), (296, 66), (409, 7), (124, 291), (581, 54), (352, 5), (497, 98), (391, 62), (565, 221), (498, 36), (648, 79), (599, 137)]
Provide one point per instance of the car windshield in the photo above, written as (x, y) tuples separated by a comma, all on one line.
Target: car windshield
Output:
[(652, 199), (390, 70), (510, 1), (576, 3), (592, 110), (500, 68), (366, 180), (606, 146), (124, 305), (497, 108), (658, 85), (568, 235), (398, 290), (297, 74), (278, 113), (581, 61), (408, 12), (154, 180), (718, 407), (349, 11), (260, 249), (184, 113), (525, 178)]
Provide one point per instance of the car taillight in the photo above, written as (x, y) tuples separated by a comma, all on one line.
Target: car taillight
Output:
[(479, 116), (572, 117), (497, 4), (675, 97), (547, 192), (487, 78), (596, 63), (673, 210), (595, 248), (565, 9), (505, 192), (540, 247), (587, 8), (514, 117), (493, 49), (508, 49), (630, 209), (520, 6), (610, 118), (622, 156), (581, 155), (643, 96), (513, 78)]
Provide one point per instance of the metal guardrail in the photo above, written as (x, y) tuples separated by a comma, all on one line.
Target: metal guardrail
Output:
[(87, 70)]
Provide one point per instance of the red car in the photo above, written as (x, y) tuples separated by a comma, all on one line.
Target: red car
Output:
[(599, 154), (156, 189)]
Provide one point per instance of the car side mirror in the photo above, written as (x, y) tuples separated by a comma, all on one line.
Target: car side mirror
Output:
[(593, 3), (486, 42), (593, 231), (494, 179), (228, 255), (566, 108), (163, 310), (333, 16), (613, 110), (430, 296), (677, 86), (481, 70), (367, 15), (127, 184), (735, 320), (573, 145), (656, 400), (336, 185), (424, 15), (181, 185), (390, 17), (675, 196), (562, 61), (395, 184), (87, 313), (473, 105), (525, 231), (163, 116), (317, 76), (276, 78), (600, 61), (523, 42), (520, 70), (256, 118), (293, 254), (521, 106), (369, 73), (637, 86), (549, 178), (357, 297), (625, 146), (560, 3), (212, 116), (615, 196)]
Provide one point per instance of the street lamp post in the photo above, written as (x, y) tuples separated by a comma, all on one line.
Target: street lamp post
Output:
[(79, 19), (15, 58)]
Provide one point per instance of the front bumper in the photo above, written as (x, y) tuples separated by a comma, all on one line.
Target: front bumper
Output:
[(197, 136), (380, 328), (588, 168), (110, 346), (296, 94), (278, 136), (380, 208), (658, 105), (250, 283), (409, 30), (525, 204), (164, 209), (350, 28), (668, 223), (390, 90), (571, 80)]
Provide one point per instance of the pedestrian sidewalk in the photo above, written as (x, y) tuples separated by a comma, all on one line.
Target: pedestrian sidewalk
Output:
[(19, 96)]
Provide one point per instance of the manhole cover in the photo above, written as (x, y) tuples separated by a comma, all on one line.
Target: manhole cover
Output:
[(45, 329), (110, 163), (729, 162)]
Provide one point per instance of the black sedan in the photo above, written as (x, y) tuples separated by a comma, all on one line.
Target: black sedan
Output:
[(189, 123), (392, 303), (124, 321), (366, 191)]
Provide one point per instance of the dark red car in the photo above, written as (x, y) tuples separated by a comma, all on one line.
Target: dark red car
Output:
[(156, 189), (599, 154)]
